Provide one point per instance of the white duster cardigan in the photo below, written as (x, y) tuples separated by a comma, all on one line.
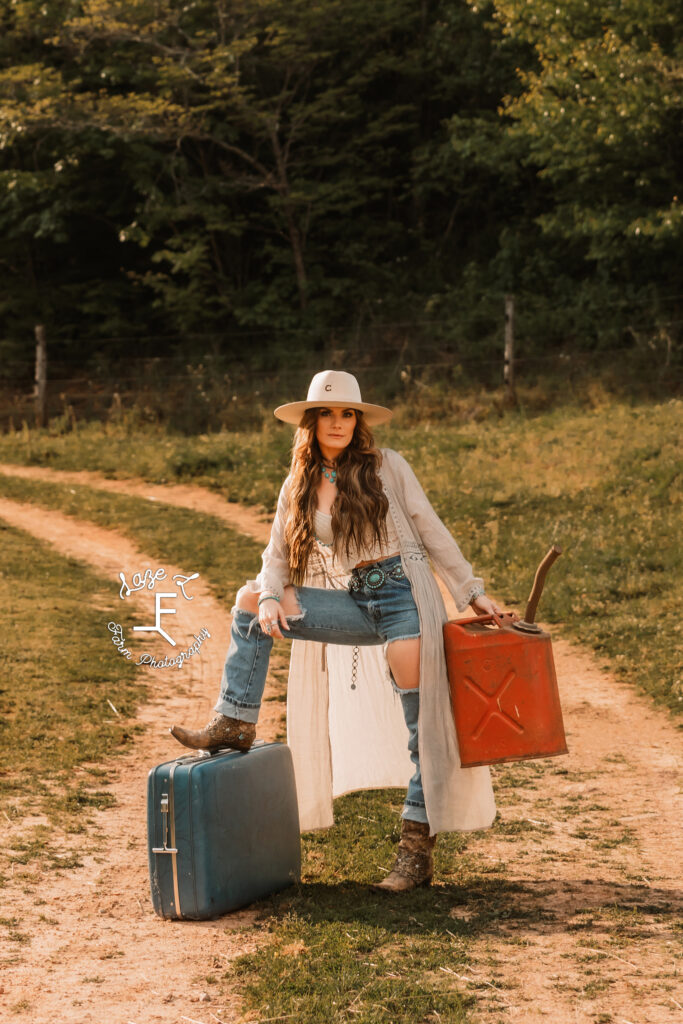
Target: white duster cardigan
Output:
[(345, 739)]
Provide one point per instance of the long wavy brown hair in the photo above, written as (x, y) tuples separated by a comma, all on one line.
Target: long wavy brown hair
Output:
[(360, 509)]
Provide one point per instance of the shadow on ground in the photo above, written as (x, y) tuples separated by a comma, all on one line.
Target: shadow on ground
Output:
[(484, 908)]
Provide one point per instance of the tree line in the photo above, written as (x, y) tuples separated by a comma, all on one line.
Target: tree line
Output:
[(280, 174)]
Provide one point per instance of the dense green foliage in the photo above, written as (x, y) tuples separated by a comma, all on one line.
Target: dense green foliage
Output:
[(288, 175)]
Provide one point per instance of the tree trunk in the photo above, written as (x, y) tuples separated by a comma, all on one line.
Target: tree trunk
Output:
[(293, 230), (40, 390), (298, 255)]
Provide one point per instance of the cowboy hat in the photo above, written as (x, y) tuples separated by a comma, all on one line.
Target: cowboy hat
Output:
[(333, 389)]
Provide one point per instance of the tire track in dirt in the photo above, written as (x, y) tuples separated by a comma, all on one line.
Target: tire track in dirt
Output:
[(591, 849), (243, 518), (97, 951)]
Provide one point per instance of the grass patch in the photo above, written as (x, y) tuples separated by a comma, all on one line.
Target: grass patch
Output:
[(516, 775), (242, 467), (340, 952), (23, 1006), (612, 842), (57, 676), (13, 933), (315, 973)]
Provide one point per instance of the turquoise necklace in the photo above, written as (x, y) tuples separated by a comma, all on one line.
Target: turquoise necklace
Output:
[(330, 473)]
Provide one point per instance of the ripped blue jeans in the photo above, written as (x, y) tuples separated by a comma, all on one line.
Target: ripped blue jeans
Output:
[(358, 618)]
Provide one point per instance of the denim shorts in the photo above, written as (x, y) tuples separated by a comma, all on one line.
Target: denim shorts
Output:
[(361, 617)]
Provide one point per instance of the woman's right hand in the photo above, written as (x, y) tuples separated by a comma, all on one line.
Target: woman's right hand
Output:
[(271, 617)]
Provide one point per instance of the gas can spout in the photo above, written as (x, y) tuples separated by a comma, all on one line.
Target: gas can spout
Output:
[(528, 624)]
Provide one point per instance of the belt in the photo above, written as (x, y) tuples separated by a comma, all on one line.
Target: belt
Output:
[(374, 576)]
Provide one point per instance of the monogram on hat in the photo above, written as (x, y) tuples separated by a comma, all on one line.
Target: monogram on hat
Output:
[(333, 389)]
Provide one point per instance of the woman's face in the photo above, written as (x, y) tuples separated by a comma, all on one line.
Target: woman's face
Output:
[(334, 429)]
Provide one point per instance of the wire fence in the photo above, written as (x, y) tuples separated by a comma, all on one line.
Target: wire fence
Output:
[(205, 398), (213, 381)]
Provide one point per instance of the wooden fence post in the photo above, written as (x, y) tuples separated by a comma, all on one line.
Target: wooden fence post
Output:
[(40, 391), (509, 363)]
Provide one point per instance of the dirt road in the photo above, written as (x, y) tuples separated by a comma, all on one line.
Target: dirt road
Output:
[(591, 848)]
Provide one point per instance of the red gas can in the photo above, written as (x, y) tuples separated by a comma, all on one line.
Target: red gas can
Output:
[(503, 691)]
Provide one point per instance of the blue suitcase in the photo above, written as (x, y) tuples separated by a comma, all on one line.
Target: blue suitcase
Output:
[(222, 830)]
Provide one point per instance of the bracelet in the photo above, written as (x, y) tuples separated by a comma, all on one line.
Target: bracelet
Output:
[(267, 597)]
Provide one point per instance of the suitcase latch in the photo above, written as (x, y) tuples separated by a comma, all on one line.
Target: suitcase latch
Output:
[(164, 818)]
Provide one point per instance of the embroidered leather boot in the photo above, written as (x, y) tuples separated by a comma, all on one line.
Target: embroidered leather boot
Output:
[(221, 731), (414, 861)]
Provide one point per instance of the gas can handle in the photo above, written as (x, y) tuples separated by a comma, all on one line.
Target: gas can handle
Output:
[(498, 619)]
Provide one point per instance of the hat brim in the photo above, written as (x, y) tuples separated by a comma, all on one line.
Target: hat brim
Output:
[(293, 411)]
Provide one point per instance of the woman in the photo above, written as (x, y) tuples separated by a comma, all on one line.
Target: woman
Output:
[(350, 511)]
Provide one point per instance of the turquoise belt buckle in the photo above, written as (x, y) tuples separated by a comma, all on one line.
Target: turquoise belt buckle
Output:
[(375, 578)]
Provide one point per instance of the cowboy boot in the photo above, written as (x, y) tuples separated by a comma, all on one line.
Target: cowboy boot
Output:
[(241, 689), (221, 731), (414, 861)]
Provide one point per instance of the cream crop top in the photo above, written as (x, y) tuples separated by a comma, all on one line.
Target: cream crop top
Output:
[(421, 534), (371, 552)]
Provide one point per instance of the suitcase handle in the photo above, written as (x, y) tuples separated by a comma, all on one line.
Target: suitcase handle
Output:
[(164, 817)]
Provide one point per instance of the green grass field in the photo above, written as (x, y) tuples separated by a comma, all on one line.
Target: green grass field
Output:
[(603, 483)]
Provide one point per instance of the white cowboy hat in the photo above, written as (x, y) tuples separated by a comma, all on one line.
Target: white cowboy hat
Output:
[(333, 389)]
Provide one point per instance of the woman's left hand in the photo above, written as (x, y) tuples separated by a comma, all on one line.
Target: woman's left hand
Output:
[(483, 605)]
